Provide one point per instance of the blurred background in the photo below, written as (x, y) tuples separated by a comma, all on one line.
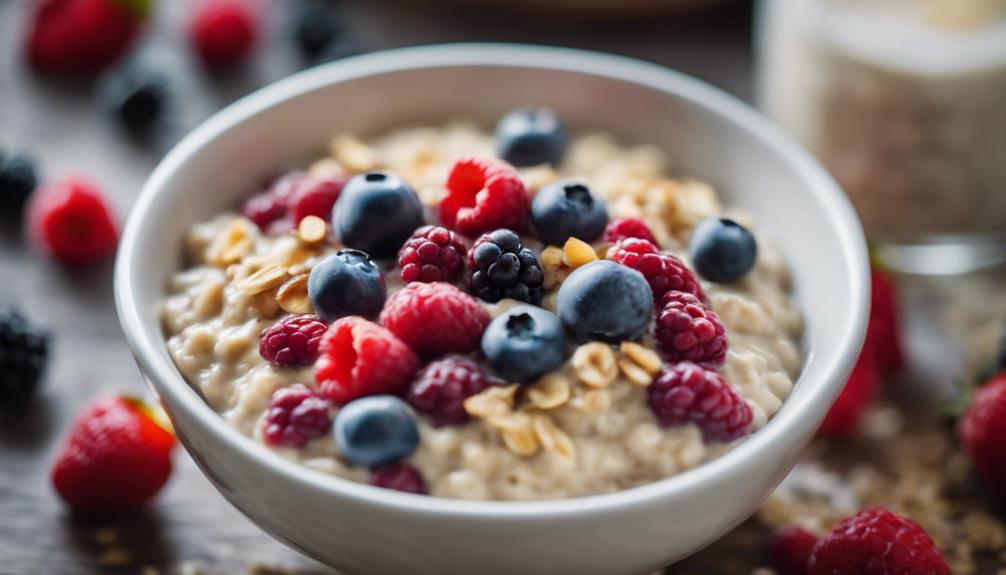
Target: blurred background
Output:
[(903, 100)]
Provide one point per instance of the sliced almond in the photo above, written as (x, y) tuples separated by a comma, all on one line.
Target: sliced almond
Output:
[(517, 432), (577, 252), (265, 304), (549, 392), (634, 373), (493, 401), (265, 279), (232, 244), (551, 437), (312, 229), (353, 154), (594, 364), (642, 356), (292, 295)]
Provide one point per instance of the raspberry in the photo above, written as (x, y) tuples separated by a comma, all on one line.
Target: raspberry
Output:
[(688, 393), (687, 330), (664, 272), (844, 415), (400, 477), (483, 196), (24, 350), (293, 341), (883, 333), (223, 31), (982, 429), (268, 208), (441, 389), (361, 358), (432, 254), (71, 222), (314, 197), (877, 542), (503, 268), (622, 228), (82, 36), (295, 416), (791, 549), (436, 318)]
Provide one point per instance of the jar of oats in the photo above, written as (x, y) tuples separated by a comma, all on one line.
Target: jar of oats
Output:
[(905, 102)]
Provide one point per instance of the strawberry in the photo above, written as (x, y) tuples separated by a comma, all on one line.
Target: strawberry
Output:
[(883, 334), (982, 430), (82, 36), (116, 457), (859, 390)]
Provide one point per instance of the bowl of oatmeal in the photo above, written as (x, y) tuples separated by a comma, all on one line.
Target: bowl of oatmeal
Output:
[(492, 308)]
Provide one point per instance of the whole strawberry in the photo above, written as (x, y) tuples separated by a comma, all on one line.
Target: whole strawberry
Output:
[(982, 430), (82, 36), (116, 457), (844, 415)]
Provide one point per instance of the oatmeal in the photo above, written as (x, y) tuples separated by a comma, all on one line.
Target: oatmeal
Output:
[(579, 356)]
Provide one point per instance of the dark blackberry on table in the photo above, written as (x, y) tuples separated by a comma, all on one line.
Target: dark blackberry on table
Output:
[(24, 350), (503, 268)]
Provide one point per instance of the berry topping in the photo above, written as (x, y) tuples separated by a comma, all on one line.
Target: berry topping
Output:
[(432, 254), (503, 268), (116, 457), (293, 341), (883, 333), (605, 301), (400, 477), (82, 36), (621, 228), (567, 209), (376, 213), (791, 549), (664, 272), (70, 221), (295, 416), (24, 350), (314, 197), (223, 32), (982, 429), (531, 136), (17, 181), (441, 389), (483, 196), (844, 415), (877, 542), (134, 95), (345, 283), (722, 250), (376, 431), (524, 343), (273, 204), (688, 393), (436, 318), (361, 358), (687, 330)]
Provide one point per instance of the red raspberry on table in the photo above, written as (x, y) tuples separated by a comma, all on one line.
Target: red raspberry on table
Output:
[(877, 542), (883, 333), (116, 457), (440, 390), (687, 330), (619, 229), (400, 477), (664, 272), (791, 550), (359, 358), (71, 222), (483, 196), (82, 36), (223, 31), (688, 393), (295, 416), (292, 341), (435, 318), (432, 254), (982, 430), (861, 387), (314, 197)]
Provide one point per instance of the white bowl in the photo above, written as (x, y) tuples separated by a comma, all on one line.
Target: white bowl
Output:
[(362, 529)]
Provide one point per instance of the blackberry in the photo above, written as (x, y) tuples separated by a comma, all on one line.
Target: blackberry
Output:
[(504, 268), (17, 180), (23, 353)]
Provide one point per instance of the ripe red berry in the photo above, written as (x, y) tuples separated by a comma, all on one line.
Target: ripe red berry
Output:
[(292, 341), (432, 254), (791, 550), (621, 228), (861, 387), (883, 334), (687, 330), (435, 318), (440, 390), (71, 222), (295, 416), (116, 457), (687, 393), (81, 36), (982, 430), (877, 542), (223, 31), (314, 197), (483, 196), (361, 358), (270, 210), (663, 271), (398, 476)]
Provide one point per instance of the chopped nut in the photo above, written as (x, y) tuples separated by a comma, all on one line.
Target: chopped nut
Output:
[(292, 295), (265, 279), (552, 438), (353, 154), (312, 229), (551, 257), (594, 363), (326, 168), (265, 304), (642, 356), (231, 245), (634, 373), (517, 432), (549, 392), (577, 253), (493, 401)]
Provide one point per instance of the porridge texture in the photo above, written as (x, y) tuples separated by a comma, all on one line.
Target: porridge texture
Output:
[(585, 426)]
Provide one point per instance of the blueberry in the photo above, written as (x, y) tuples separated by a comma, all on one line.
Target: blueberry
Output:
[(376, 430), (566, 209), (531, 136), (524, 343), (135, 96), (722, 250), (17, 180), (345, 283), (376, 212), (605, 301)]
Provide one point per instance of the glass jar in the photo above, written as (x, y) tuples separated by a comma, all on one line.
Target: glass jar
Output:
[(905, 102)]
